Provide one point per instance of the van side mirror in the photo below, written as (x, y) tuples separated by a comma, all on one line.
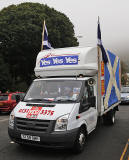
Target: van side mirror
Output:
[(18, 98), (92, 101)]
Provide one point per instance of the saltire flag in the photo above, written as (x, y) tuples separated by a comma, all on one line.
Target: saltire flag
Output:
[(112, 80), (104, 55), (45, 42)]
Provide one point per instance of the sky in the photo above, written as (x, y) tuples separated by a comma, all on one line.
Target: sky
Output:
[(83, 14)]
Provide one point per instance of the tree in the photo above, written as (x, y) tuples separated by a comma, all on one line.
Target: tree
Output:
[(20, 34), (124, 71), (5, 77), (124, 67)]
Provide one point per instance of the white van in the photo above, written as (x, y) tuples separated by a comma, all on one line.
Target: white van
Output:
[(72, 90)]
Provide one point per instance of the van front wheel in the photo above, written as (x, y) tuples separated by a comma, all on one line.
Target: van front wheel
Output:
[(80, 141)]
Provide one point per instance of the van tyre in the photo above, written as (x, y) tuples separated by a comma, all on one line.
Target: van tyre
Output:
[(109, 118), (112, 118), (80, 141)]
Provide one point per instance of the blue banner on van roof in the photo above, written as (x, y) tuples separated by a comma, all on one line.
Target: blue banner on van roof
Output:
[(59, 60)]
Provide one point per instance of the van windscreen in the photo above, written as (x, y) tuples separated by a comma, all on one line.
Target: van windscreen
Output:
[(54, 90)]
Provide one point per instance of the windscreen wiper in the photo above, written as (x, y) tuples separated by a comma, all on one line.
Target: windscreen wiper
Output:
[(33, 100), (65, 100)]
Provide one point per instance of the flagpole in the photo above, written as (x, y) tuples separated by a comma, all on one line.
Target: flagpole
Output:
[(43, 35), (99, 77), (99, 80)]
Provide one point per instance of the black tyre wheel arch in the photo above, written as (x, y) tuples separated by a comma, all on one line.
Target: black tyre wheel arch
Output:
[(81, 139)]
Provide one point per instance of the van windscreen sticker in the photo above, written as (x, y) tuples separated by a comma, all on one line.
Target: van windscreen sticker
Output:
[(60, 60)]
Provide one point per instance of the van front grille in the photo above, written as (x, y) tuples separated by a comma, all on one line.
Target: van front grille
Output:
[(34, 125)]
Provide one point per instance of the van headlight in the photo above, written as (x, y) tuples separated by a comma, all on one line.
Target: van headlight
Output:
[(11, 120), (61, 123)]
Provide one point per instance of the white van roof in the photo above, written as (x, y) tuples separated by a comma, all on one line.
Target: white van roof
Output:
[(71, 61)]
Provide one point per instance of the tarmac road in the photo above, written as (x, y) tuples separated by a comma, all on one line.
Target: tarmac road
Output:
[(105, 143)]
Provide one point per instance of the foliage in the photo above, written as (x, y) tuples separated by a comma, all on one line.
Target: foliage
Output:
[(20, 34), (124, 68), (124, 71), (124, 79), (5, 79)]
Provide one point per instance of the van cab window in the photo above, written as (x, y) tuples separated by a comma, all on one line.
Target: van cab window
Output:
[(54, 90), (91, 91), (88, 92), (88, 99), (85, 93)]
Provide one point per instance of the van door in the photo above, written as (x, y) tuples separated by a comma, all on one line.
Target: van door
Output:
[(88, 109)]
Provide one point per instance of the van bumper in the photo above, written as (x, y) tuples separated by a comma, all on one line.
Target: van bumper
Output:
[(64, 139)]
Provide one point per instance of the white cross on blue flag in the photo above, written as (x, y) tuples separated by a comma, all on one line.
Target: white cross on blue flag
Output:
[(45, 42), (104, 55)]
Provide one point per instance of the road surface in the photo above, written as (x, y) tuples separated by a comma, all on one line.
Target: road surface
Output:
[(105, 143)]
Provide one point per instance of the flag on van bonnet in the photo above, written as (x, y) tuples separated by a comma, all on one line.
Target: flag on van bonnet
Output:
[(45, 42), (104, 55)]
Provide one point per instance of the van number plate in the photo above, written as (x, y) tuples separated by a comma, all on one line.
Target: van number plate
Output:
[(29, 137)]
